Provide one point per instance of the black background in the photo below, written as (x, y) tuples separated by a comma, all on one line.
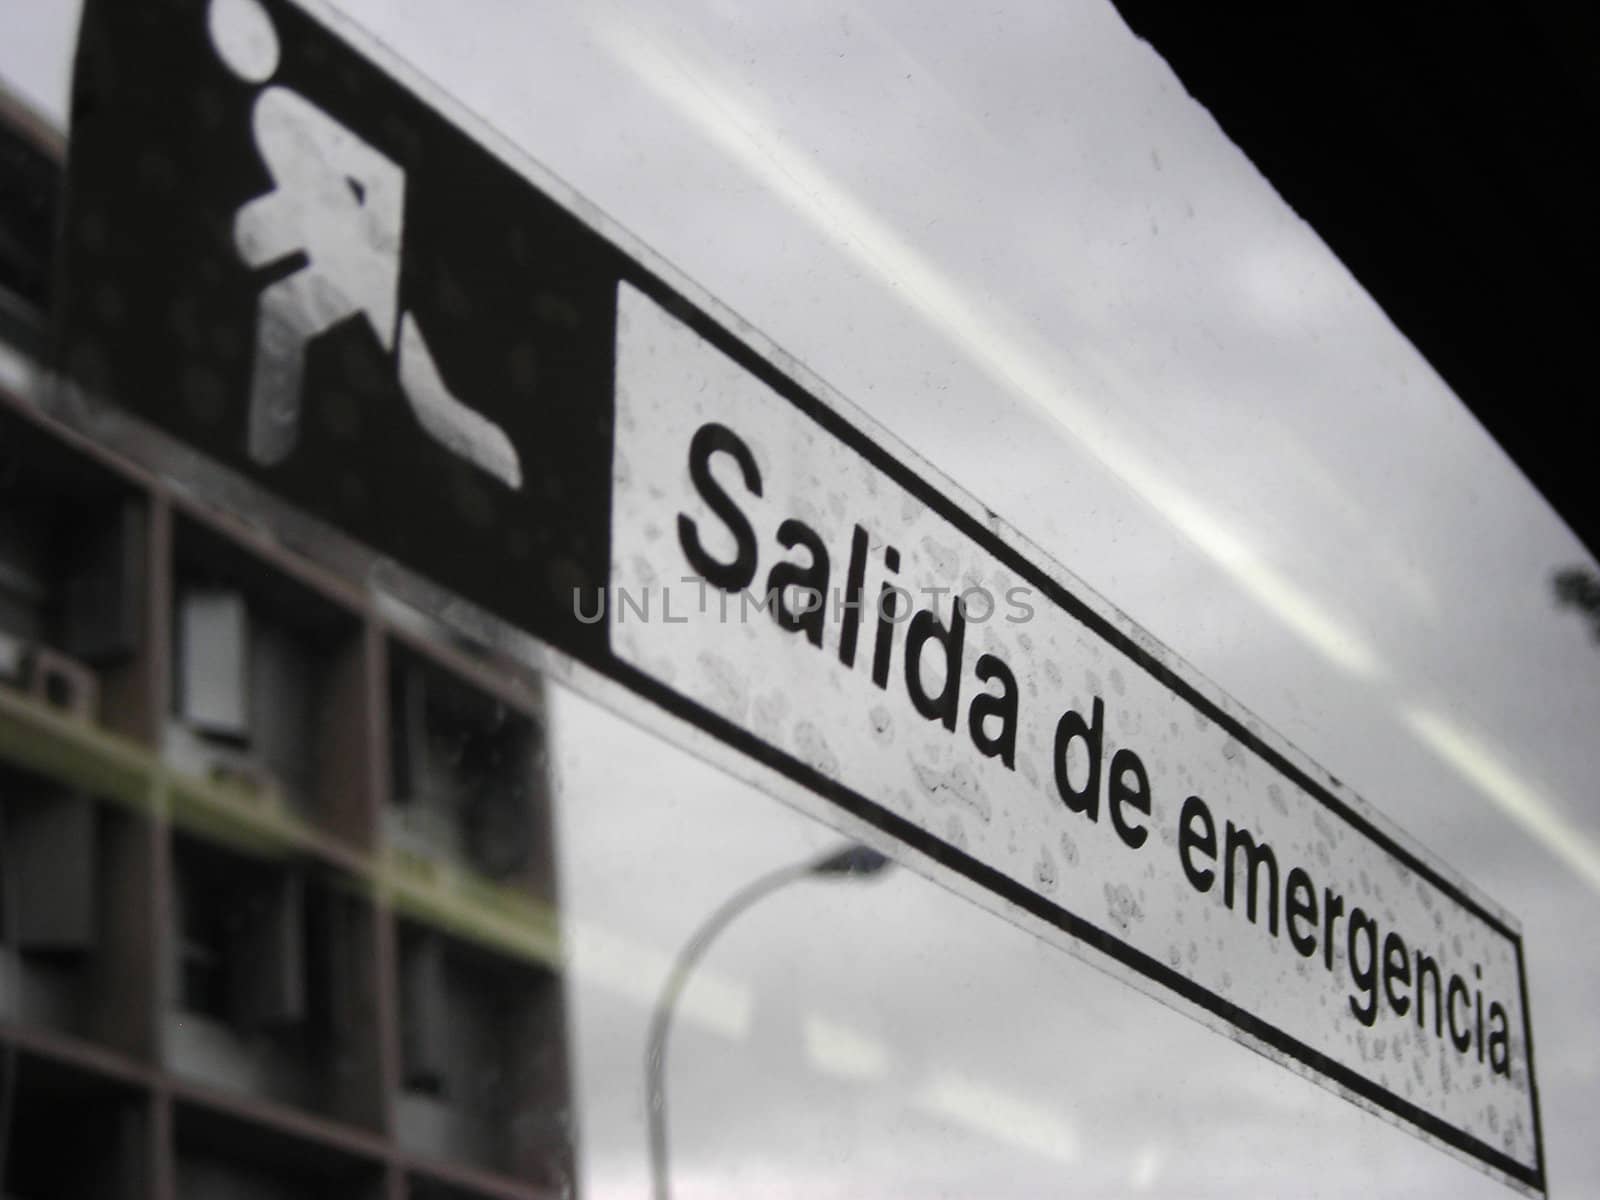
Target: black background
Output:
[(1449, 154), (515, 297)]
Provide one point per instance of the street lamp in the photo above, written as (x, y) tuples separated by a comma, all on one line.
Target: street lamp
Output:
[(849, 862)]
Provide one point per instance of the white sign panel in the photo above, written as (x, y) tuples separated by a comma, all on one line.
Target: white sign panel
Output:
[(774, 567), (620, 475)]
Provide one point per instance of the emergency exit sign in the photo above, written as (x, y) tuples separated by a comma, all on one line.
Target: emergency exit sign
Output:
[(282, 255)]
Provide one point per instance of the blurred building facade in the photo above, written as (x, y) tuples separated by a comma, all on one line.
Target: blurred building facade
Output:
[(278, 886)]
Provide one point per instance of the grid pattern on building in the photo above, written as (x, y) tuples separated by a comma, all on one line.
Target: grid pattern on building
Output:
[(277, 877)]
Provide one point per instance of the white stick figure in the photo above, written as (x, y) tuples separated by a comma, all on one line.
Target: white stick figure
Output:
[(340, 203)]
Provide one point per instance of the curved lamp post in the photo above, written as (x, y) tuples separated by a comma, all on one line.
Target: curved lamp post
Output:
[(851, 862)]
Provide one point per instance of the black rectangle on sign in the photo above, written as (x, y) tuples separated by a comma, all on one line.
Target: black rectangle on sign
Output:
[(280, 255)]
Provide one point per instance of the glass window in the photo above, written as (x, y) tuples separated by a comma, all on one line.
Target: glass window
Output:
[(320, 879)]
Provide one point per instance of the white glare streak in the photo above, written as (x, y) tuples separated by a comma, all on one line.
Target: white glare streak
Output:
[(1501, 784), (1147, 1168), (947, 307), (18, 374), (1000, 1115), (713, 1002), (843, 1052)]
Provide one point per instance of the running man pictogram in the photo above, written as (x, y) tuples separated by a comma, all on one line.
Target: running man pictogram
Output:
[(340, 203)]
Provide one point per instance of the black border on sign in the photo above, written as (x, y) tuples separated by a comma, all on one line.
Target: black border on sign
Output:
[(630, 270), (1002, 885)]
